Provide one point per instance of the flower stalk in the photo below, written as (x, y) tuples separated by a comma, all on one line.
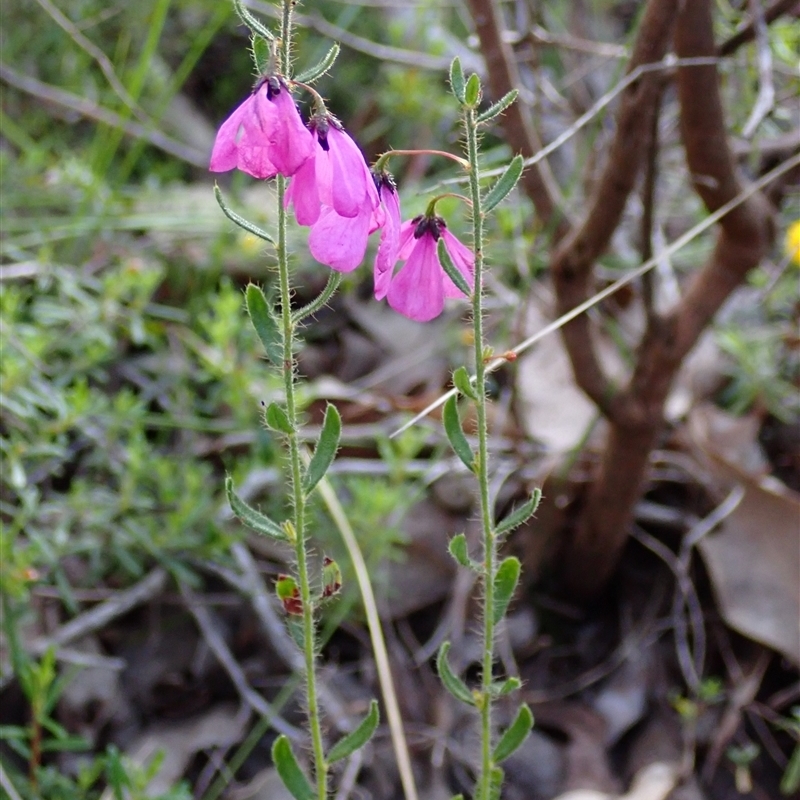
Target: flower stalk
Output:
[(319, 764), (482, 461)]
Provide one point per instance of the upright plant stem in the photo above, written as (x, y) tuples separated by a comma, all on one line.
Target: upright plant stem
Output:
[(489, 548), (296, 473)]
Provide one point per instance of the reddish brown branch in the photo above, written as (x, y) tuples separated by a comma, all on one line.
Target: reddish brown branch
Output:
[(518, 128), (745, 235), (573, 259)]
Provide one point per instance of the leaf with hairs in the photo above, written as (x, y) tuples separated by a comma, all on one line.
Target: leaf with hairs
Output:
[(451, 681), (505, 582), (252, 518), (293, 777), (455, 433), (514, 735), (357, 738), (505, 183)]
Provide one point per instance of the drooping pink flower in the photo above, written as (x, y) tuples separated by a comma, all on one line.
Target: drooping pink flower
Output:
[(264, 136), (419, 288), (335, 194), (389, 247)]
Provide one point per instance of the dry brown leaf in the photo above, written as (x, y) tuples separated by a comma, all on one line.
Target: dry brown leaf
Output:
[(754, 558)]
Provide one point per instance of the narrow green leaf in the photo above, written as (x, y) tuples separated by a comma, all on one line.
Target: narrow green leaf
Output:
[(498, 108), (502, 688), (457, 797), (240, 221), (277, 419), (505, 183), (472, 92), (457, 79), (453, 272), (458, 549), (261, 50), (263, 319), (520, 514), (252, 518), (451, 682), (294, 779), (462, 382), (251, 22), (514, 735), (452, 427), (505, 582), (357, 738), (495, 783), (318, 70), (334, 279), (326, 448)]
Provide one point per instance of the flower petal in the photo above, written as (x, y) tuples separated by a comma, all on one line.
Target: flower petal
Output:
[(406, 241), (303, 191), (224, 155), (340, 242), (350, 177), (464, 260), (389, 246), (417, 290), (291, 141)]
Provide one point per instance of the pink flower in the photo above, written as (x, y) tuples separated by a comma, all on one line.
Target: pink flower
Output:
[(419, 289), (264, 136), (389, 246), (335, 194)]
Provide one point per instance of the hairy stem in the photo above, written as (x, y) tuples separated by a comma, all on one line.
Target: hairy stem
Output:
[(299, 504), (296, 470), (489, 545)]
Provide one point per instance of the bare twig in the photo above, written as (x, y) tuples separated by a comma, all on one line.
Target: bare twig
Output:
[(539, 35), (5, 783), (766, 88), (382, 52), (219, 648), (711, 220), (86, 108), (98, 55), (747, 32), (574, 258), (518, 127), (99, 616)]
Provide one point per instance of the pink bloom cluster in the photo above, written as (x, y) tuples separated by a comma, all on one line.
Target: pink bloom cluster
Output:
[(334, 193)]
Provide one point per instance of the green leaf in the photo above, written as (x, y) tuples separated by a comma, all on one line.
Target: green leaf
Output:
[(514, 735), (251, 22), (498, 108), (462, 382), (261, 50), (452, 427), (326, 448), (505, 183), (240, 221), (453, 272), (458, 549), (457, 79), (277, 419), (520, 514), (293, 777), (472, 92), (502, 688), (252, 518), (451, 682), (457, 797), (357, 738), (495, 783), (505, 582), (334, 279), (265, 323), (318, 70)]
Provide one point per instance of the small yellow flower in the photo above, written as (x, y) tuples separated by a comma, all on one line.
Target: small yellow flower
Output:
[(792, 243)]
